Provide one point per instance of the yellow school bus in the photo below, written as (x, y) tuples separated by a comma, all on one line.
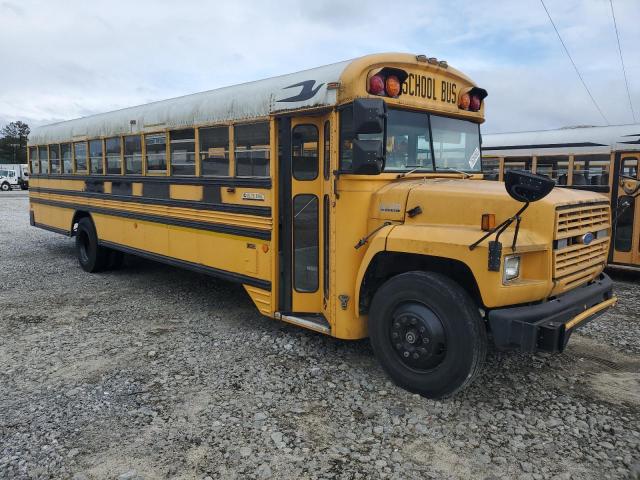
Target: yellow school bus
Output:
[(598, 159), (346, 199)]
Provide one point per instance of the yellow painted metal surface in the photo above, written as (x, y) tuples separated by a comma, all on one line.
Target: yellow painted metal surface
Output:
[(186, 192)]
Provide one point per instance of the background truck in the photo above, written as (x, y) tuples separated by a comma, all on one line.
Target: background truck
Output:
[(13, 176)]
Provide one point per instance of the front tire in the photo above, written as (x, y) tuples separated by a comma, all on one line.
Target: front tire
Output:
[(427, 333), (92, 257), (5, 187)]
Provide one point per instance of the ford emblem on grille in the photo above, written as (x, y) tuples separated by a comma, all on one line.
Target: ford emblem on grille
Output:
[(587, 238)]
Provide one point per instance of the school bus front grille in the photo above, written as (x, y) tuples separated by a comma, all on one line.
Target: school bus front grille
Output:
[(574, 262), (578, 220)]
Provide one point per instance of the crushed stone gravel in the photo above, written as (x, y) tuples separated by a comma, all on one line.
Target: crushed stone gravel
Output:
[(155, 372)]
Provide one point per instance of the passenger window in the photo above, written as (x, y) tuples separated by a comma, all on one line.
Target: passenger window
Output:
[(44, 159), (156, 152), (183, 152), (35, 162), (113, 149), (554, 167), (304, 147), (95, 156), (65, 154), (591, 169), (491, 168), (252, 150), (80, 155), (214, 151), (305, 242), (132, 155), (54, 157), (517, 163), (327, 151)]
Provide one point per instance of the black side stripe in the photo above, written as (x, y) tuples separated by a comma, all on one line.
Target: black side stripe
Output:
[(66, 233), (543, 145), (219, 207), (251, 182), (196, 267), (212, 227)]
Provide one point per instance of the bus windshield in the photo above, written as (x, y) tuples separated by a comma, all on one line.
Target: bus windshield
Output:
[(450, 144)]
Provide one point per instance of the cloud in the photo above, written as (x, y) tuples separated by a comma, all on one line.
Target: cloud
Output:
[(64, 60)]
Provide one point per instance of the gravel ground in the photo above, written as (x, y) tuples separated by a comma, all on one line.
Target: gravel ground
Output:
[(154, 372)]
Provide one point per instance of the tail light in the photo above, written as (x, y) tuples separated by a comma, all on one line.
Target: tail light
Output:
[(386, 82)]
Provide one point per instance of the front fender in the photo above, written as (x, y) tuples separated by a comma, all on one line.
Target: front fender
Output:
[(453, 243)]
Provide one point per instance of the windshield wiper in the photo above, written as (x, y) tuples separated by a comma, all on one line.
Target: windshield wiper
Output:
[(464, 174), (404, 174)]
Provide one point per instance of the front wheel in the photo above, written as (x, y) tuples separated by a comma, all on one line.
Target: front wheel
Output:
[(5, 187), (427, 333)]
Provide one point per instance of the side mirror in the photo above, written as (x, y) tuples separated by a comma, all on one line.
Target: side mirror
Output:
[(629, 185), (367, 157), (527, 187), (368, 115)]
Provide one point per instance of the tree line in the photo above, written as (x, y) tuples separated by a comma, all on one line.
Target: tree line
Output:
[(13, 142)]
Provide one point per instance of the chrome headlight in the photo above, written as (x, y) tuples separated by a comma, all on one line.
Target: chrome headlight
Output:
[(511, 268)]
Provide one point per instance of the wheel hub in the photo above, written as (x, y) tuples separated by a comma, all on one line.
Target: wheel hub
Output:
[(418, 336)]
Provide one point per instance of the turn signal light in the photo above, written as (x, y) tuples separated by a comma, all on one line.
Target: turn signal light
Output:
[(386, 82), (471, 100), (488, 222)]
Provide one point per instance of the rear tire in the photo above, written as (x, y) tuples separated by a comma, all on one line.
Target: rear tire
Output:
[(427, 333), (92, 257)]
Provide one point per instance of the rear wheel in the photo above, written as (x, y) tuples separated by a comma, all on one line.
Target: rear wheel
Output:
[(427, 333), (92, 257)]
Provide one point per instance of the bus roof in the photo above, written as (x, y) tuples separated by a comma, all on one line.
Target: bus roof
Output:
[(253, 100), (563, 141), (305, 89)]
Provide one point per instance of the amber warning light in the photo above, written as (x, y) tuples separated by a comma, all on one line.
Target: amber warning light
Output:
[(387, 82), (471, 100)]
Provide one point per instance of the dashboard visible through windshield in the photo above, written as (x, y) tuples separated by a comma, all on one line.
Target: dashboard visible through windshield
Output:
[(420, 141)]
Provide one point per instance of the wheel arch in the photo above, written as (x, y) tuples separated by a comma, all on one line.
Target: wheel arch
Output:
[(79, 214), (385, 264)]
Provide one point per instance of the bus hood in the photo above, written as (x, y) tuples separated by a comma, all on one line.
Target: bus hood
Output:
[(458, 202)]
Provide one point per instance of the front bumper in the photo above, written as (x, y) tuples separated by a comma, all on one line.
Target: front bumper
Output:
[(547, 326)]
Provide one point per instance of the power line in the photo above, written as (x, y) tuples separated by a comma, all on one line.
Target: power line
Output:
[(624, 71), (573, 63)]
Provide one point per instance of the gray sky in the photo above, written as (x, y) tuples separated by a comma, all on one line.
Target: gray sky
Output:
[(65, 59)]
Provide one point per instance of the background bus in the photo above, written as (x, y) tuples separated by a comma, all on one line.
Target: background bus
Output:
[(599, 159)]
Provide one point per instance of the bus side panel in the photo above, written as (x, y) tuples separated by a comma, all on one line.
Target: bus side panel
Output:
[(54, 217), (231, 253)]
